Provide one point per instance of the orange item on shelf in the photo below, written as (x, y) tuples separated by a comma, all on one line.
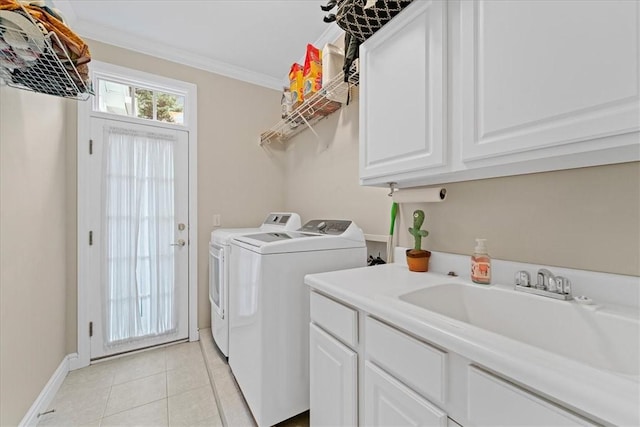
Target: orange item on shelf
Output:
[(312, 70), (296, 85)]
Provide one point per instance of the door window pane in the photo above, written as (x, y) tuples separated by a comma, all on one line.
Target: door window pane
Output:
[(114, 98), (144, 103), (170, 108)]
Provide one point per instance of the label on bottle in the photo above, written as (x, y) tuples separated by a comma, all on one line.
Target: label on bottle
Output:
[(481, 271)]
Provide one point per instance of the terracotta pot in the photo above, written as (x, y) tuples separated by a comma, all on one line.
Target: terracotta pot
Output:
[(418, 260)]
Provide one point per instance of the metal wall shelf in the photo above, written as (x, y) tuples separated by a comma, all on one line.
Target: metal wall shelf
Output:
[(316, 107), (38, 62)]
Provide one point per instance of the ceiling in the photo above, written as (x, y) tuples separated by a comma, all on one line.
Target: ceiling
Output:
[(251, 40)]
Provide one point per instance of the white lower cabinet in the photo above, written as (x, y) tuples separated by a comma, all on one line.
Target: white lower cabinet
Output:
[(368, 371), (388, 402), (417, 364), (333, 379), (493, 401), (404, 378)]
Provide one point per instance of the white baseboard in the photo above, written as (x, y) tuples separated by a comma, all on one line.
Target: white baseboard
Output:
[(75, 362), (194, 335), (48, 393)]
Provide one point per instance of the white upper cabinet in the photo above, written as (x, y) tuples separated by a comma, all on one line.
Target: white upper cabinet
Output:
[(539, 75), (532, 86), (402, 94)]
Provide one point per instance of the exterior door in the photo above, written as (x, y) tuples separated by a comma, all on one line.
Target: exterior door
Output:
[(139, 236)]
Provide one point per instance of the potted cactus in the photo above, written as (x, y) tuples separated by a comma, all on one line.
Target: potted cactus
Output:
[(417, 258)]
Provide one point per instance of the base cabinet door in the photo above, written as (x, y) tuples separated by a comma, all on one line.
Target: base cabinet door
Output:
[(388, 402), (493, 401), (333, 380)]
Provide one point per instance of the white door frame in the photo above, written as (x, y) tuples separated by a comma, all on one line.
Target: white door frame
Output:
[(85, 112)]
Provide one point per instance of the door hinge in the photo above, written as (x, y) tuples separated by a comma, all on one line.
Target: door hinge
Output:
[(91, 146), (90, 238), (90, 329)]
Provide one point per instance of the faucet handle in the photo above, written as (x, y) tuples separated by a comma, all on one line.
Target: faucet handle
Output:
[(545, 280), (522, 278), (564, 285)]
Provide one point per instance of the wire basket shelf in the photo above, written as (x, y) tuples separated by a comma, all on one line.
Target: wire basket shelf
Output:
[(41, 65), (316, 107)]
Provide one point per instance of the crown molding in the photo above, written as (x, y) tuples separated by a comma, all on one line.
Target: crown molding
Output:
[(145, 46)]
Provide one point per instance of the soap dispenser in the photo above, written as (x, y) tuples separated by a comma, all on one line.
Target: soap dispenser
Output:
[(481, 263)]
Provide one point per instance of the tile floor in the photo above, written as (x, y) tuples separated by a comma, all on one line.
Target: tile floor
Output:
[(187, 384)]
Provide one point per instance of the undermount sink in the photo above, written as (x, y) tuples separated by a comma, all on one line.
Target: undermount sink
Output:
[(601, 338)]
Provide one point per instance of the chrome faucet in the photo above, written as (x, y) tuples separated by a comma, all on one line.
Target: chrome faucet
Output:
[(547, 284)]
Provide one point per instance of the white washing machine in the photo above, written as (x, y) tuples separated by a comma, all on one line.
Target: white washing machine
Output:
[(269, 307), (219, 270)]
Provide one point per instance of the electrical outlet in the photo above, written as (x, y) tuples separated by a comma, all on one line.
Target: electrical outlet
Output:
[(217, 220)]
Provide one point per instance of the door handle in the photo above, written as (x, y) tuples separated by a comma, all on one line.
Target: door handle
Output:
[(180, 242)]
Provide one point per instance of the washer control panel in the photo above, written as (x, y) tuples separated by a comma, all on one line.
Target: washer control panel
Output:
[(326, 226)]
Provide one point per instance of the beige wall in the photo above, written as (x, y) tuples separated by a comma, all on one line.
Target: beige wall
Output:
[(236, 178), (583, 218), (322, 175), (32, 246), (586, 218)]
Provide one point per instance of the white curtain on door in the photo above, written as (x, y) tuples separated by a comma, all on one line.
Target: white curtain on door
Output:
[(138, 264)]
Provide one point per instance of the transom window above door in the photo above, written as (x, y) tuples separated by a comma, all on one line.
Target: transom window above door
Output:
[(125, 99)]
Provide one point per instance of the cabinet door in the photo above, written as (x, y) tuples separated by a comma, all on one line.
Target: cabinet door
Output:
[(546, 79), (417, 364), (388, 402), (402, 96), (493, 401), (333, 380)]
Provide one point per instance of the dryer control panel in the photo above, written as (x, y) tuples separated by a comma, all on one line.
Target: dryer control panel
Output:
[(326, 226), (278, 218)]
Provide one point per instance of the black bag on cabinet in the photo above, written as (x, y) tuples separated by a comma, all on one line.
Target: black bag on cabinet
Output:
[(361, 18)]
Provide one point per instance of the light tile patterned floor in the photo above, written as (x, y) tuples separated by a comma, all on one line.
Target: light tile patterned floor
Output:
[(233, 408), (187, 384), (162, 387)]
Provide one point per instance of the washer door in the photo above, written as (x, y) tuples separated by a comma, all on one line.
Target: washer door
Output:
[(216, 279)]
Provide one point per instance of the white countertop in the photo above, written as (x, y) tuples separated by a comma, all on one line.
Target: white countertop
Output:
[(599, 394)]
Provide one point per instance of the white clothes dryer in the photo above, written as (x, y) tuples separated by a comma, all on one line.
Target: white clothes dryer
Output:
[(269, 310), (219, 270)]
